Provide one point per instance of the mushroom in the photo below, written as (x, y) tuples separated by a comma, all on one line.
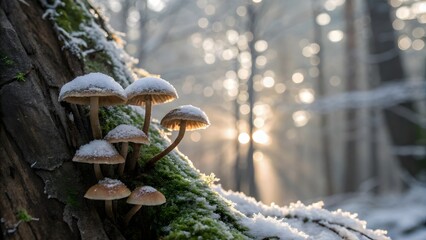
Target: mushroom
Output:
[(108, 190), (94, 89), (126, 133), (148, 91), (186, 117), (98, 152), (145, 195)]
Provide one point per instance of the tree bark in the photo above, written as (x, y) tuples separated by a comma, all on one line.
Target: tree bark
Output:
[(402, 131), (38, 134)]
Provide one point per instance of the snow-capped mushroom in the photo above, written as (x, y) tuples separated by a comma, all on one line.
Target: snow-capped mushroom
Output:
[(98, 152), (94, 89), (149, 91), (184, 118), (126, 133), (108, 190), (145, 195), (146, 92)]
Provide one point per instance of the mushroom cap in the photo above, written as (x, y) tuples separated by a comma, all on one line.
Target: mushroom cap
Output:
[(126, 133), (156, 89), (98, 151), (82, 88), (195, 118), (107, 189), (146, 195)]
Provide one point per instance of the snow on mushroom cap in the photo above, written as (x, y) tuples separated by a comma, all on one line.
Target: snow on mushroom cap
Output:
[(146, 195), (126, 133), (80, 90), (158, 89), (107, 189), (97, 148), (99, 152), (195, 117)]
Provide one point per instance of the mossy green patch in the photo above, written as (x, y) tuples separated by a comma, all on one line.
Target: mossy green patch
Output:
[(70, 16), (23, 215), (20, 76)]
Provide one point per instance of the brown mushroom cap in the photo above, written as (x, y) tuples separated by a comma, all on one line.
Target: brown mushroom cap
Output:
[(82, 88), (195, 118), (126, 133), (156, 89), (107, 189), (98, 151), (146, 195)]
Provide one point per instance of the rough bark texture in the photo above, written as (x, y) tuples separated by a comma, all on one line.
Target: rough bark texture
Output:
[(38, 135)]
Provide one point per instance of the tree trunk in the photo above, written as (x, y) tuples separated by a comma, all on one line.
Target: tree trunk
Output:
[(324, 119), (351, 164), (402, 131), (39, 135)]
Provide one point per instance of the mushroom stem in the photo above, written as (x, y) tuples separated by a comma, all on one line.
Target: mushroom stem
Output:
[(134, 157), (137, 147), (108, 209), (131, 213), (94, 118), (146, 122), (156, 158), (123, 153), (98, 171)]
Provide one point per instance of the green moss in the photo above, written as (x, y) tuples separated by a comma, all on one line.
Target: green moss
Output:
[(5, 60), (20, 76), (98, 62), (23, 216), (70, 16)]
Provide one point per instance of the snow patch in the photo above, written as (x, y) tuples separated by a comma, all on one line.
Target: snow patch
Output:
[(124, 131), (110, 183), (150, 85), (92, 82), (97, 148)]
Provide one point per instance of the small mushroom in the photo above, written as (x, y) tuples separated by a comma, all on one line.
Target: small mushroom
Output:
[(183, 118), (145, 195), (148, 91), (94, 89), (98, 152), (108, 190), (126, 133)]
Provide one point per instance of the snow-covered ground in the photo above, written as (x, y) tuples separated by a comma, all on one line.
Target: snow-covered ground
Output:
[(298, 221), (402, 215)]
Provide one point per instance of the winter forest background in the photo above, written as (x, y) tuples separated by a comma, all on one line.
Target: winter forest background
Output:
[(331, 91)]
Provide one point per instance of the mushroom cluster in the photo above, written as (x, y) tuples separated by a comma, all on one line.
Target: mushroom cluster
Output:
[(98, 89)]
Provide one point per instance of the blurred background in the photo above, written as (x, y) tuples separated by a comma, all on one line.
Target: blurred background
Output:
[(308, 100)]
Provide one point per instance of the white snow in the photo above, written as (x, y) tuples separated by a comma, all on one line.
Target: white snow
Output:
[(92, 82), (403, 214), (97, 148), (339, 220), (110, 183), (150, 85), (147, 189), (262, 227), (124, 131), (193, 111)]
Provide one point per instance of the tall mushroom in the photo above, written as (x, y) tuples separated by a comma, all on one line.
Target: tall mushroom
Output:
[(184, 118), (98, 152), (145, 195), (108, 190), (94, 89), (126, 133), (146, 92)]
